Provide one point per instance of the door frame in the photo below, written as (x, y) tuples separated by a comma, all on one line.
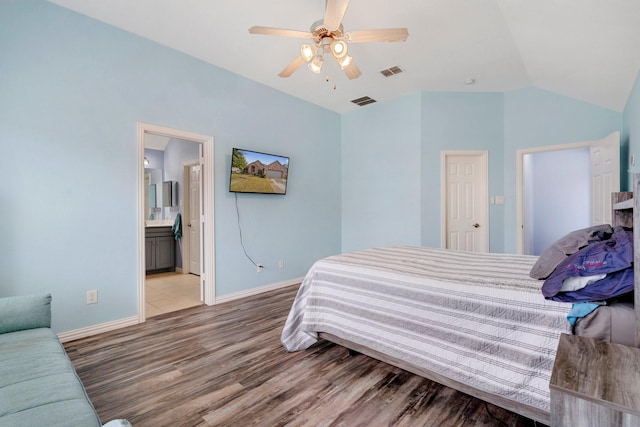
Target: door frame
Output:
[(520, 178), (208, 244), (484, 157)]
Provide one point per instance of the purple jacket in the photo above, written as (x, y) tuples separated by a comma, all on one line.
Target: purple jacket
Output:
[(613, 257)]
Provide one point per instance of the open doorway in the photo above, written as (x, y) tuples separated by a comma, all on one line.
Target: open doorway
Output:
[(163, 154), (601, 158), (170, 285), (557, 196)]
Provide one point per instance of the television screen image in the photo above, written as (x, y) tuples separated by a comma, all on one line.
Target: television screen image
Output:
[(255, 172)]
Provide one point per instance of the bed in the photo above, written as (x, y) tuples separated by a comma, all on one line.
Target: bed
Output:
[(475, 322)]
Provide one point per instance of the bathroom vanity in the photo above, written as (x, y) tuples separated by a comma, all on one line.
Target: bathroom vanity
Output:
[(160, 248)]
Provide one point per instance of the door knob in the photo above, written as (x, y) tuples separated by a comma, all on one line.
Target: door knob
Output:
[(476, 225)]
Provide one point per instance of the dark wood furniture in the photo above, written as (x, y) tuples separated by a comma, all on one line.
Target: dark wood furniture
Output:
[(160, 249)]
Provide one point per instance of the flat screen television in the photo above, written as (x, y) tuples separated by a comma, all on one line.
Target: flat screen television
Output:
[(255, 172)]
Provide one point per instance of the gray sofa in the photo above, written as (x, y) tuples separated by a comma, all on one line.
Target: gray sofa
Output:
[(38, 384)]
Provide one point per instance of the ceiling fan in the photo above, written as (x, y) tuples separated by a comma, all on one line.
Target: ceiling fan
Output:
[(328, 37)]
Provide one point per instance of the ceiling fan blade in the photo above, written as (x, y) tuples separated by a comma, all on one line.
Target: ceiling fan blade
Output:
[(334, 13), (352, 71), (292, 67), (384, 35), (269, 31)]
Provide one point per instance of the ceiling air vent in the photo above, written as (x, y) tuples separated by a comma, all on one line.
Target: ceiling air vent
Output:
[(392, 71), (363, 101)]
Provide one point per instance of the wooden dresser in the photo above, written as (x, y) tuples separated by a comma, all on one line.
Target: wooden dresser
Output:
[(595, 383)]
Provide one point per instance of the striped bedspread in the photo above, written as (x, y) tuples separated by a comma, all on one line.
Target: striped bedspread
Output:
[(473, 317)]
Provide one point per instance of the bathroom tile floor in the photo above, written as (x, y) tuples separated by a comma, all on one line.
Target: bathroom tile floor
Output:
[(167, 292)]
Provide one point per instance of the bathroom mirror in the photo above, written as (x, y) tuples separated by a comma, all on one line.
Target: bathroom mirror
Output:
[(152, 196), (167, 194)]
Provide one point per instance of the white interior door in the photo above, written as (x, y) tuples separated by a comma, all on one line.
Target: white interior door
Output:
[(147, 182), (193, 224), (465, 201), (605, 176)]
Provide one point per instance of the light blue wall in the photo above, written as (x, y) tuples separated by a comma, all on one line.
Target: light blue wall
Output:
[(156, 158), (460, 121), (381, 175), (391, 165), (72, 91), (538, 118), (376, 213), (631, 132)]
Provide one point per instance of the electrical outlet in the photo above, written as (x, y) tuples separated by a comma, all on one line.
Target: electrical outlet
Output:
[(260, 268), (92, 297), (281, 264)]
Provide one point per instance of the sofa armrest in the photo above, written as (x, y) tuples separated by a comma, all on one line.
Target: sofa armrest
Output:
[(25, 312)]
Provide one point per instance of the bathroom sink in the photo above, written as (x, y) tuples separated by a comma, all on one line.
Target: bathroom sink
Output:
[(159, 223)]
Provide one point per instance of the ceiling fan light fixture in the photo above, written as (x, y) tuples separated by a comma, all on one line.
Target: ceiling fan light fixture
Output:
[(326, 37), (307, 51), (316, 64), (345, 62), (338, 48)]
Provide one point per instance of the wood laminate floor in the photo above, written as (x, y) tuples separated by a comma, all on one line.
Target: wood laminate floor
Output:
[(224, 366)]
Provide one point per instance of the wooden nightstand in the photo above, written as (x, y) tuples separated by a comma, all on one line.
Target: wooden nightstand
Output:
[(595, 383)]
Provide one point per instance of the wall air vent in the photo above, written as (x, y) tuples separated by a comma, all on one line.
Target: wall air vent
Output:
[(363, 101), (392, 71)]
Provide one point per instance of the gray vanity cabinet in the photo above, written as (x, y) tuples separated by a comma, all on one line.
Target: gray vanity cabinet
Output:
[(160, 249)]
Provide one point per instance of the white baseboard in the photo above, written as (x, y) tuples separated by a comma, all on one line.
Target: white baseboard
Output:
[(133, 320), (97, 329), (256, 291)]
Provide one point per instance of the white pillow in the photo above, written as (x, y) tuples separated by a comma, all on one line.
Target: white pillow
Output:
[(579, 282)]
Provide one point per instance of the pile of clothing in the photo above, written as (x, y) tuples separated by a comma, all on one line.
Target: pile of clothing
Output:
[(588, 267)]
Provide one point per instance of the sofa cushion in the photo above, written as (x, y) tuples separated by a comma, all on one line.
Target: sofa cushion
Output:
[(25, 312), (39, 385), (30, 354), (70, 413)]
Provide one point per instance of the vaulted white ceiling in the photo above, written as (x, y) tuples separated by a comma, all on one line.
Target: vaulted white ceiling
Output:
[(584, 49)]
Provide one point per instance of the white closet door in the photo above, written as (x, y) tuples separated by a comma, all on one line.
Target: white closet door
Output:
[(605, 177), (194, 220), (466, 210)]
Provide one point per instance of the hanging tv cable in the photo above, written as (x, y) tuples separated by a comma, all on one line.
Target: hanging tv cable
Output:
[(240, 231)]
